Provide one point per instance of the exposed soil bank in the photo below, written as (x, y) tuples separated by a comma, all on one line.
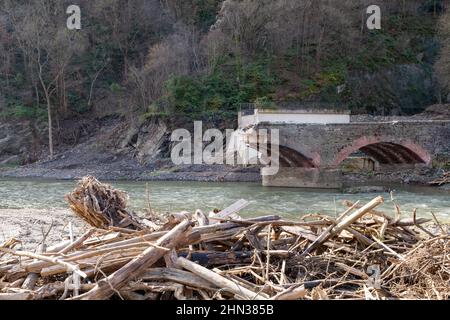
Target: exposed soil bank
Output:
[(125, 171), (111, 149)]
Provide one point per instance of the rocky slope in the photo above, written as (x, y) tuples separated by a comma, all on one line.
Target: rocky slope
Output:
[(110, 149)]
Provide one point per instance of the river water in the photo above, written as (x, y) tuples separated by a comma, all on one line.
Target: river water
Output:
[(189, 196)]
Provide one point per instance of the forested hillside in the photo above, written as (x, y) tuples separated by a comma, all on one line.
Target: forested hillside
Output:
[(141, 60)]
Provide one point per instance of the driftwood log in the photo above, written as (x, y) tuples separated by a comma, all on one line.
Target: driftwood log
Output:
[(132, 270), (225, 256)]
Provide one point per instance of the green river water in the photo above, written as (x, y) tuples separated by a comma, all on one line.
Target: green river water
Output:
[(178, 196)]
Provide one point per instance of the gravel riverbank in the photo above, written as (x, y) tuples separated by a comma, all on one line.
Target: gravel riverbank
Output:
[(30, 225)]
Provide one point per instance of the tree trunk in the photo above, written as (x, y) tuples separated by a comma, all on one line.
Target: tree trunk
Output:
[(49, 110), (50, 129)]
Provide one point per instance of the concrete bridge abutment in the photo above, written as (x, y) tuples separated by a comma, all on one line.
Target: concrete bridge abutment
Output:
[(294, 177)]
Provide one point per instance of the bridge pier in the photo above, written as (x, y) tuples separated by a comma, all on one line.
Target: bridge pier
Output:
[(293, 177)]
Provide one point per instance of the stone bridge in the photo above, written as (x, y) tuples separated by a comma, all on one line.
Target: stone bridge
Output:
[(311, 154)]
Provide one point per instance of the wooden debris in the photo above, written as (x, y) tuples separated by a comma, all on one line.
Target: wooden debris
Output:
[(445, 179), (232, 210), (101, 206), (268, 257), (135, 268), (218, 280)]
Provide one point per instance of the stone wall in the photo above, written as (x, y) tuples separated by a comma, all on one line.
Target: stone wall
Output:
[(328, 145), (303, 178)]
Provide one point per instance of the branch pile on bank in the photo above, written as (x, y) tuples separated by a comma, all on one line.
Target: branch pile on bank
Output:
[(362, 254), (101, 206)]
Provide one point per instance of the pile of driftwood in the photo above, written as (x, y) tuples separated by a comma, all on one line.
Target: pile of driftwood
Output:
[(445, 179), (100, 205), (361, 254)]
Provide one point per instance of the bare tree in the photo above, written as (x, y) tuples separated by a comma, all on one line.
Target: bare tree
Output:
[(47, 47), (442, 66), (128, 22), (178, 55), (252, 27)]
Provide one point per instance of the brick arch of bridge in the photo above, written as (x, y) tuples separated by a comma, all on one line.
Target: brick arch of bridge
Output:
[(294, 158), (294, 154), (386, 150)]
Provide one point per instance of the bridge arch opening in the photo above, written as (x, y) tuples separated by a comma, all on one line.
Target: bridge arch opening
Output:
[(291, 158), (371, 156)]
